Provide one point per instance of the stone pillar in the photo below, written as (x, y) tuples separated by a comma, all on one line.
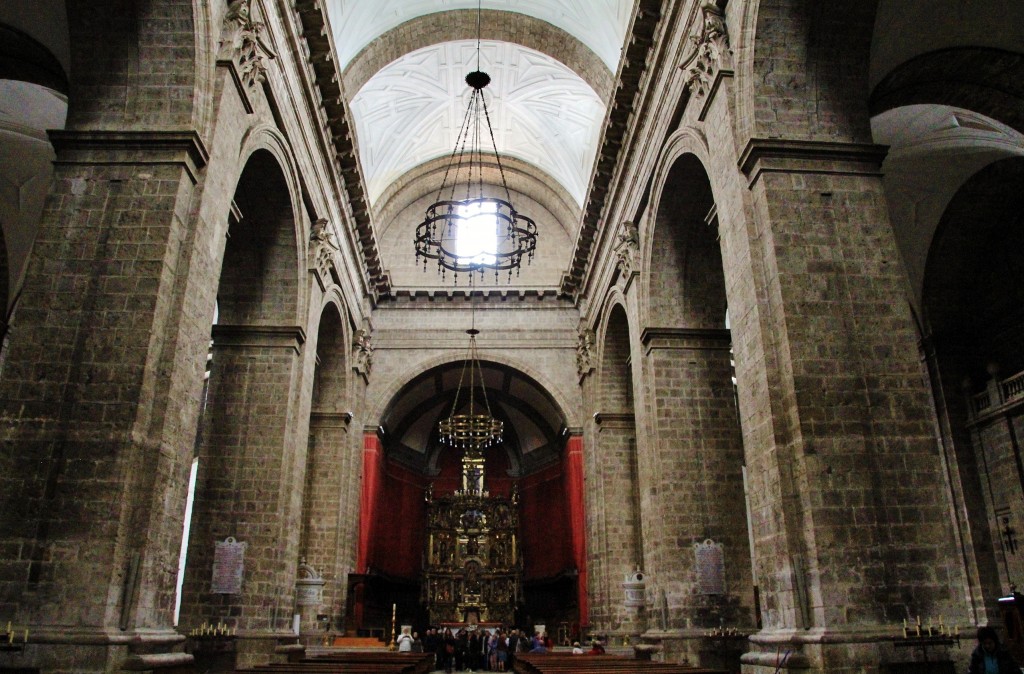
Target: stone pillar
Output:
[(324, 515), (849, 500), (249, 485), (694, 491), (98, 405), (620, 553)]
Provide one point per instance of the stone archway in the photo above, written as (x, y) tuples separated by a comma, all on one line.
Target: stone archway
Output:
[(249, 459), (695, 437)]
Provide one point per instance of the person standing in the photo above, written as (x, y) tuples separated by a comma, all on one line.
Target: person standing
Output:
[(991, 657)]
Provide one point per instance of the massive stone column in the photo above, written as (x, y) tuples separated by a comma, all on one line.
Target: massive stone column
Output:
[(99, 401), (246, 488), (851, 517)]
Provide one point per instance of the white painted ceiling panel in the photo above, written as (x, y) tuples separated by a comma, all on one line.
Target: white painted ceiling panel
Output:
[(599, 24), (542, 112)]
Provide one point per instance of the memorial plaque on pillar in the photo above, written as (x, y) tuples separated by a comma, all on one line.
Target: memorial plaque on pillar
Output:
[(710, 567), (228, 567)]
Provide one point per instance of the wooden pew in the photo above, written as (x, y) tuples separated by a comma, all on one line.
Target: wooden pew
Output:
[(558, 663), (384, 662)]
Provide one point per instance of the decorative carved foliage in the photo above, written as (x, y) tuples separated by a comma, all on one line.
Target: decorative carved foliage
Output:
[(585, 351), (242, 39), (362, 352), (627, 250), (323, 253), (712, 51)]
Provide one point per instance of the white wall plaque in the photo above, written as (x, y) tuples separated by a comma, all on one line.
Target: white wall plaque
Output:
[(710, 567), (228, 566)]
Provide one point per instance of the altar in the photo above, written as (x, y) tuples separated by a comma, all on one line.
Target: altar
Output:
[(471, 627), (473, 569)]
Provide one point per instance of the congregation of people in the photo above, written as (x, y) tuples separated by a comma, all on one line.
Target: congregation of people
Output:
[(482, 650)]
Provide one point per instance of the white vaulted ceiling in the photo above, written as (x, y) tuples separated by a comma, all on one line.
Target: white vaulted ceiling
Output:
[(599, 24), (405, 61), (542, 113)]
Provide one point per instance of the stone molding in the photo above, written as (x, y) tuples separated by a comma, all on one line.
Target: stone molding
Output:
[(439, 295), (616, 126), (131, 148), (691, 339), (615, 419), (773, 155), (260, 336), (325, 419), (98, 636), (338, 125), (150, 661)]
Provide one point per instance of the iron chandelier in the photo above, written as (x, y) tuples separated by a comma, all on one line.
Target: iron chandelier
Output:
[(475, 220), (476, 429)]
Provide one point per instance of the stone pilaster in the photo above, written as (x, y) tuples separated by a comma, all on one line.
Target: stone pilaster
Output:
[(850, 516), (694, 491), (246, 487)]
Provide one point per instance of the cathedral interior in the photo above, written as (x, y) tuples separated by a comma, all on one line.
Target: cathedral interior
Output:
[(754, 395)]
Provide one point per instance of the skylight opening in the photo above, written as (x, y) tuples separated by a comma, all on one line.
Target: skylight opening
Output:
[(477, 237)]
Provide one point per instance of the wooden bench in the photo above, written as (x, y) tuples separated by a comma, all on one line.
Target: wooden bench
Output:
[(556, 663), (385, 662)]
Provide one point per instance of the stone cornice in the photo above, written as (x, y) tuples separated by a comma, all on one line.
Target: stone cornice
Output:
[(183, 147), (317, 33), (774, 155), (616, 126), (686, 338), (446, 296), (615, 419), (262, 336)]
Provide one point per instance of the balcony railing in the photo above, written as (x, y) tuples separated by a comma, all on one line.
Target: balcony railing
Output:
[(997, 394)]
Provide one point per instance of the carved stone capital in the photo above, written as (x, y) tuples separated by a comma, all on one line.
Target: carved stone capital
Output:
[(711, 53), (627, 251), (585, 352), (362, 353), (243, 40), (323, 254)]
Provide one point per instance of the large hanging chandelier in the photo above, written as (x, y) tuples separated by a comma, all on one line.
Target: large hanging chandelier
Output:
[(475, 429), (464, 230)]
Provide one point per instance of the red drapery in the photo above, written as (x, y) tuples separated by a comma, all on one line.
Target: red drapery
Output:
[(574, 495), (369, 496)]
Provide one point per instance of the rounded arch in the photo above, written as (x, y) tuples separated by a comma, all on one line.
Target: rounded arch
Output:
[(816, 51), (985, 80), (683, 259), (461, 24), (264, 154), (973, 298), (331, 376), (565, 406), (114, 80)]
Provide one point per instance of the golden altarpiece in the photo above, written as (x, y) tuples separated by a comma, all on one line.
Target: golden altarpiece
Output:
[(472, 570)]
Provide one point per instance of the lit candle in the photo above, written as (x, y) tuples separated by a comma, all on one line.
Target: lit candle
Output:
[(26, 635)]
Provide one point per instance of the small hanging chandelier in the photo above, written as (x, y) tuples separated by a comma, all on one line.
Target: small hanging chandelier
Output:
[(475, 233), (476, 429)]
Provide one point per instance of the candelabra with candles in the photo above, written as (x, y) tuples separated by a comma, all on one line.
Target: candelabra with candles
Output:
[(13, 642), (391, 641)]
